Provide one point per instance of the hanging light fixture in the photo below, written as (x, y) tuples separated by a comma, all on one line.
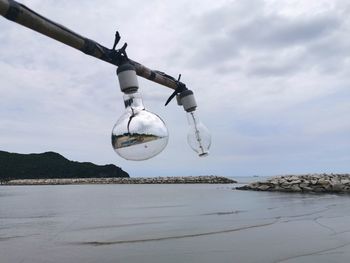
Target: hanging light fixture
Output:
[(138, 134), (198, 136)]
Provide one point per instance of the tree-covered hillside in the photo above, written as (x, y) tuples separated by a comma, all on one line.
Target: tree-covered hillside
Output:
[(51, 165)]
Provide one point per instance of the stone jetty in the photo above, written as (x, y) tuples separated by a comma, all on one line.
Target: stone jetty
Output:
[(310, 183), (149, 180)]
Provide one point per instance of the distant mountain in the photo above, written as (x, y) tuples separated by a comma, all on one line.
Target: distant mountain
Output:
[(51, 165)]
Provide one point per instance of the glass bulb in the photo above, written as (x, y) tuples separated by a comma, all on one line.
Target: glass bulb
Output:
[(138, 134), (198, 136)]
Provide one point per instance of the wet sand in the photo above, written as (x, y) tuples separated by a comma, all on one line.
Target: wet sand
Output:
[(170, 223)]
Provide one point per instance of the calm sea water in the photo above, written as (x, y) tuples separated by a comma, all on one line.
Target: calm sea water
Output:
[(170, 223)]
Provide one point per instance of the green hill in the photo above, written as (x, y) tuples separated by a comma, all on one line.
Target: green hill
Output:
[(51, 165)]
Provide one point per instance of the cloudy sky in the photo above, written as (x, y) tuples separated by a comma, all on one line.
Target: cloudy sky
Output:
[(271, 78)]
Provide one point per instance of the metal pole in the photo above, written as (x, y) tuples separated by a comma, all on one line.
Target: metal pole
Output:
[(21, 14)]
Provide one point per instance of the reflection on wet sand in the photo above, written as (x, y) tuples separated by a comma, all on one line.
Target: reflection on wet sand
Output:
[(101, 243), (117, 226)]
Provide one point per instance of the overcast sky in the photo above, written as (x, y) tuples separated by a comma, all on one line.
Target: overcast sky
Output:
[(271, 78)]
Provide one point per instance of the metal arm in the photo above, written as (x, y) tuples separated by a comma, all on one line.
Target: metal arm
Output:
[(21, 14)]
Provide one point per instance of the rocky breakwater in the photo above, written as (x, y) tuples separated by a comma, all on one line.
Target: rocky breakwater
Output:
[(141, 180), (312, 183)]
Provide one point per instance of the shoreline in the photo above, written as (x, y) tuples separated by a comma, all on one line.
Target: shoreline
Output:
[(123, 180)]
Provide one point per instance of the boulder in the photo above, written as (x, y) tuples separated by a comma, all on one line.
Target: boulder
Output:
[(295, 188), (263, 187)]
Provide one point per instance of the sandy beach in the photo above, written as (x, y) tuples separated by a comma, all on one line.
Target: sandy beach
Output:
[(170, 223)]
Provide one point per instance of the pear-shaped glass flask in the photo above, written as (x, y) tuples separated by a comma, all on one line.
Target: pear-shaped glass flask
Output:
[(198, 136), (138, 134)]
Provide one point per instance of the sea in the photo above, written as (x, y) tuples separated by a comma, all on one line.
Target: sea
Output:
[(202, 223)]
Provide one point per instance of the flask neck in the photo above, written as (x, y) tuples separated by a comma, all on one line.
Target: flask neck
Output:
[(133, 101), (192, 118)]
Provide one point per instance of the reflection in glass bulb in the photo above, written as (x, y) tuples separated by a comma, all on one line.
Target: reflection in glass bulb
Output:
[(198, 136), (138, 134)]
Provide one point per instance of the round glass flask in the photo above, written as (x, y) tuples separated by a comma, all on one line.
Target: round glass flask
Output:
[(138, 134)]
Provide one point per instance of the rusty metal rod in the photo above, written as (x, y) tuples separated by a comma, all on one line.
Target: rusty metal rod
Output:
[(21, 14)]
